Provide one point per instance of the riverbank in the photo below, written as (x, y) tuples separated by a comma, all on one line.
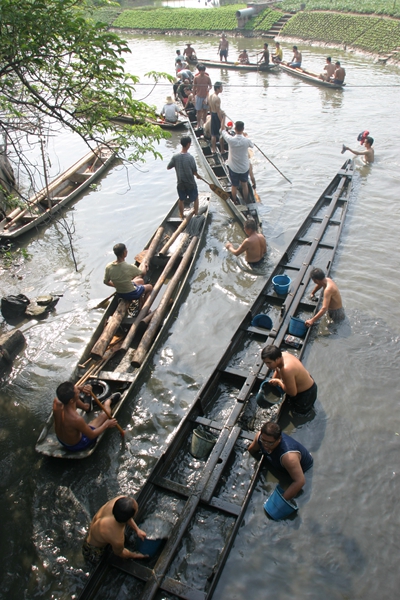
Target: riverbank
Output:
[(367, 34)]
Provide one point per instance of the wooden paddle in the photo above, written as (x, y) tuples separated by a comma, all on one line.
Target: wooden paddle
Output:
[(103, 408), (103, 303), (217, 190)]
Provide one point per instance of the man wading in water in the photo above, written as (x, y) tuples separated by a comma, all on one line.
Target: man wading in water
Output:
[(332, 303), (255, 245)]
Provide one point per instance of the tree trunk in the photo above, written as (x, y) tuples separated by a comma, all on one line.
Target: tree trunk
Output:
[(177, 232), (109, 330)]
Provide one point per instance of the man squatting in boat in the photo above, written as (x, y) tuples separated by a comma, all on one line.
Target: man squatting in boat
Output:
[(72, 431), (254, 246), (292, 377), (108, 528), (296, 60), (332, 302), (127, 279), (186, 170), (284, 454)]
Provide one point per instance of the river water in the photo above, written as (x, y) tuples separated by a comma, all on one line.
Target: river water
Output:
[(344, 542)]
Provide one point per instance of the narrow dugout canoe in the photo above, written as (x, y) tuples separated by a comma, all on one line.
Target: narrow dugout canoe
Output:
[(309, 76), (216, 64), (64, 188), (114, 370)]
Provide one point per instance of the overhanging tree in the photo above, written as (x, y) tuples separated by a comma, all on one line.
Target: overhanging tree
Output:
[(60, 67)]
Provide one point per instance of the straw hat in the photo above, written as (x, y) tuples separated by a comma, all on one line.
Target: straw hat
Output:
[(169, 100)]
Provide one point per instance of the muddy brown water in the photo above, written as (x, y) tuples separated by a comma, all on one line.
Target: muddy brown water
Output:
[(343, 544)]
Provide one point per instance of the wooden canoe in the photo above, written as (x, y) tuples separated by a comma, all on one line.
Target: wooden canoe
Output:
[(211, 495), (309, 76), (115, 367), (180, 124), (59, 192), (216, 64), (218, 174)]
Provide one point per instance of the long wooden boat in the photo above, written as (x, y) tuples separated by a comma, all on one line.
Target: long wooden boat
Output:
[(216, 64), (58, 193), (217, 171), (207, 498), (117, 366), (181, 123), (310, 77)]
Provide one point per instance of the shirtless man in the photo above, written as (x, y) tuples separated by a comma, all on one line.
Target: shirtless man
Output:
[(264, 60), (332, 303), (244, 58), (296, 60), (217, 116), (254, 246), (284, 453), (72, 431), (201, 86), (108, 527), (189, 52), (329, 69), (339, 74), (368, 154), (294, 379), (223, 48)]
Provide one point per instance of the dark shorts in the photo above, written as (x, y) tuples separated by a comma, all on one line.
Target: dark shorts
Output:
[(304, 401), (223, 53), (215, 124), (236, 178), (337, 82), (83, 443), (337, 315), (187, 194), (258, 263), (92, 553), (134, 294)]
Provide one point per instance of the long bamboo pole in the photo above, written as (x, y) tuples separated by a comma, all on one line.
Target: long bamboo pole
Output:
[(177, 232)]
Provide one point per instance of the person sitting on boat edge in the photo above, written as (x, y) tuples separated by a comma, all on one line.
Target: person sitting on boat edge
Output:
[(329, 69), (243, 58), (127, 279), (108, 528), (254, 246), (278, 54), (238, 158), (284, 453), (170, 110), (297, 58), (294, 379), (264, 60), (368, 154), (72, 431), (186, 170), (189, 52), (332, 303), (339, 74)]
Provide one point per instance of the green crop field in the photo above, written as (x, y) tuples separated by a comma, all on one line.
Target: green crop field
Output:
[(263, 21), (216, 19), (367, 33), (379, 7)]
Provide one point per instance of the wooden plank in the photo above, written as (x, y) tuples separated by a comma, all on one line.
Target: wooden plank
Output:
[(132, 568), (172, 486), (181, 590), (228, 507), (217, 471), (117, 376)]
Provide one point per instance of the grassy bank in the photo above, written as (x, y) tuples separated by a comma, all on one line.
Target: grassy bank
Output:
[(370, 34), (368, 7)]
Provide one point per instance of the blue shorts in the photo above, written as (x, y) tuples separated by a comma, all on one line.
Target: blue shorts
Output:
[(134, 294), (295, 65), (83, 443), (215, 124), (188, 194), (200, 103), (223, 53), (237, 177)]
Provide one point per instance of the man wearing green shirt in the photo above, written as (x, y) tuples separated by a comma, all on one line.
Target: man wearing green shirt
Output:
[(127, 279)]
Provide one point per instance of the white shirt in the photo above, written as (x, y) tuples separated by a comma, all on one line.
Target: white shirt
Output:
[(238, 159), (170, 110)]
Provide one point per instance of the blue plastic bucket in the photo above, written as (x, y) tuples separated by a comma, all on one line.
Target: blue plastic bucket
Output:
[(281, 284), (297, 327), (277, 507), (263, 321), (150, 547)]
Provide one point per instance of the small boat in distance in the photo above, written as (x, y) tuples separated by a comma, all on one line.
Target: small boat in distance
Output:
[(125, 339), (309, 76), (64, 188), (237, 66)]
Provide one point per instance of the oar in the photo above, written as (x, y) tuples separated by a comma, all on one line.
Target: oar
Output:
[(103, 408), (270, 161), (217, 190), (104, 302)]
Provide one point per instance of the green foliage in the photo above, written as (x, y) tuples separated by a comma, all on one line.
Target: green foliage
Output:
[(378, 7), (263, 21), (215, 19), (106, 15), (59, 66), (367, 33)]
